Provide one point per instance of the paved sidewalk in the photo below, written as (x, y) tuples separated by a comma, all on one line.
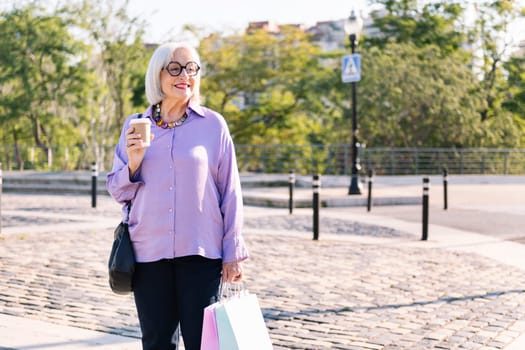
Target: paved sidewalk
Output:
[(368, 283)]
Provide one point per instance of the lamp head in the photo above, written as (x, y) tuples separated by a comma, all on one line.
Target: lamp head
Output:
[(353, 26)]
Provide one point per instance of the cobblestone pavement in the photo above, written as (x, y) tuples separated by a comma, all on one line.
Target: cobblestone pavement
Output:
[(336, 293)]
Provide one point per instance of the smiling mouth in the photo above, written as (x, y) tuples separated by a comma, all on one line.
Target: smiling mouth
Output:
[(182, 86)]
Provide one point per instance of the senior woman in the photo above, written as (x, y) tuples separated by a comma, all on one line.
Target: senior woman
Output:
[(185, 214)]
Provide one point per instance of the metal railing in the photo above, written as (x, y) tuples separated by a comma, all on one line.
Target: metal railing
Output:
[(333, 159), (55, 158), (414, 161)]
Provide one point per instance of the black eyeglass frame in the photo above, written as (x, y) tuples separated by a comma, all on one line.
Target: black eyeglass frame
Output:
[(166, 68)]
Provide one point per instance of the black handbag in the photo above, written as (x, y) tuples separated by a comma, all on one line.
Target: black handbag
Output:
[(121, 264)]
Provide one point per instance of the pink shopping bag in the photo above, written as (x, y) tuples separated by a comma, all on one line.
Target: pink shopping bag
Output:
[(210, 338)]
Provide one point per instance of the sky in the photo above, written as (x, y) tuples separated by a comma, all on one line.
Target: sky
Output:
[(167, 17)]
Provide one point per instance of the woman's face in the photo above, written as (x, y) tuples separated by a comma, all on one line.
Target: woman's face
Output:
[(180, 87)]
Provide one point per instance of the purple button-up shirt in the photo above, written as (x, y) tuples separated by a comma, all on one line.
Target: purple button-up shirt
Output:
[(186, 196)]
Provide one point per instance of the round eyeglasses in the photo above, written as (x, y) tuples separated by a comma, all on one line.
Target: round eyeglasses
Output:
[(174, 68)]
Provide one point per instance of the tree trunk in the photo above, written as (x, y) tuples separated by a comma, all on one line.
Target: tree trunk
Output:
[(18, 155)]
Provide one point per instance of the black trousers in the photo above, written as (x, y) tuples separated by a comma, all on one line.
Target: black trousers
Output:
[(174, 292)]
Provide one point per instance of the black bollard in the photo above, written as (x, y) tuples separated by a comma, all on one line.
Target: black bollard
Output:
[(291, 183), (316, 184), (94, 176), (426, 186), (445, 189), (370, 180)]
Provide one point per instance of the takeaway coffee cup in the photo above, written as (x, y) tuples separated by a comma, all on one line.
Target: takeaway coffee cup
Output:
[(142, 126)]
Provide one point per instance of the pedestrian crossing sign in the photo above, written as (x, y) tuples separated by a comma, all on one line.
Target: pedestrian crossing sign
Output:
[(351, 68)]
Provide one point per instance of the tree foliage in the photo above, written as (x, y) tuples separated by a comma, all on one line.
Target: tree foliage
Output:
[(71, 74), (267, 86), (433, 23), (484, 43), (65, 89), (119, 60), (489, 36), (41, 77), (514, 92), (407, 102)]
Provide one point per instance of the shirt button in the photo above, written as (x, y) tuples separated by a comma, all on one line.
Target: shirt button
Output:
[(171, 188), (170, 210)]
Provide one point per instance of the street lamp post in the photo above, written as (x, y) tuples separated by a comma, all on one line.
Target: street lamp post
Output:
[(355, 187), (353, 27)]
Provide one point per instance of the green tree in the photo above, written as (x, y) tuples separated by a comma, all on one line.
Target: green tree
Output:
[(41, 76), (411, 97), (514, 94), (442, 23), (433, 23), (268, 86), (489, 34), (118, 58), (515, 99), (70, 75)]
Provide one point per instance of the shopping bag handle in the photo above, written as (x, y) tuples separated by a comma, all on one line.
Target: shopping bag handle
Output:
[(230, 290)]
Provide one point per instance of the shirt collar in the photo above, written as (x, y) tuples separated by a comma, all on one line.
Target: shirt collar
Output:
[(148, 113), (197, 108), (193, 106)]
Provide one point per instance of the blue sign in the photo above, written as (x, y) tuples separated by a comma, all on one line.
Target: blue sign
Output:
[(351, 68)]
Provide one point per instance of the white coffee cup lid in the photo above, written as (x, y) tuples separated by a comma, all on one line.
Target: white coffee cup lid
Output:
[(140, 121)]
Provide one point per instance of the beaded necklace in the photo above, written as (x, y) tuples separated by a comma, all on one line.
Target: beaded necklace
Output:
[(165, 125)]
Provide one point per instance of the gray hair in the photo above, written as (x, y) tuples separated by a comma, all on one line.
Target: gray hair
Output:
[(160, 58)]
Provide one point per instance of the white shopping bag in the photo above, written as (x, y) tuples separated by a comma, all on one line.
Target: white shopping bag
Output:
[(240, 324)]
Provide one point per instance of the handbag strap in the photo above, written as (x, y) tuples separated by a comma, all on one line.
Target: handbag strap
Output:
[(128, 207)]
